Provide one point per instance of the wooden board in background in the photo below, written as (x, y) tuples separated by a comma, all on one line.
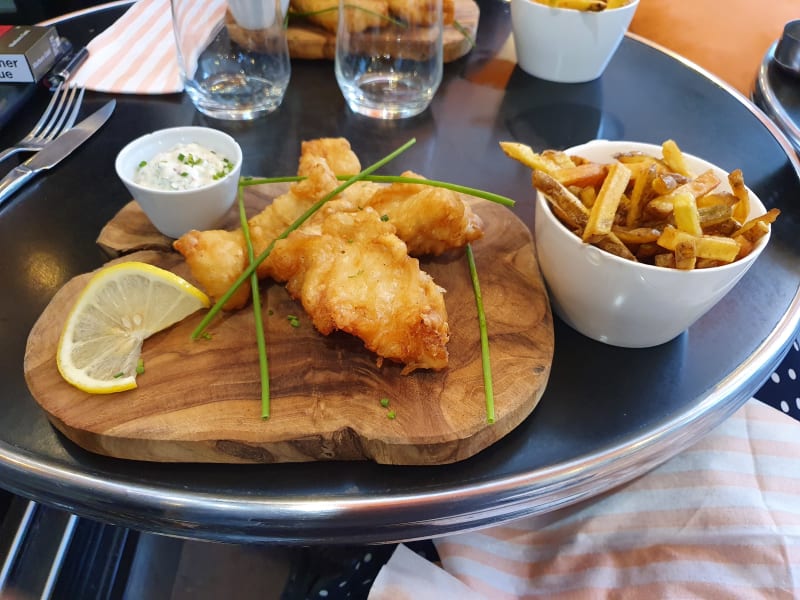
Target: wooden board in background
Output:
[(198, 401)]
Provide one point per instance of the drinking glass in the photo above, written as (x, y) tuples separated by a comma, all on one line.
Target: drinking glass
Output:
[(234, 65), (389, 66)]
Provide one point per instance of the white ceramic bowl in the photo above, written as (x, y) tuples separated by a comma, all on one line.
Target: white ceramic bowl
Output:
[(174, 212), (565, 45), (618, 301)]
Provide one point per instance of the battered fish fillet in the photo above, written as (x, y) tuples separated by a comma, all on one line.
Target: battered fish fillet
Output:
[(349, 263), (356, 276), (217, 258), (429, 220), (374, 15)]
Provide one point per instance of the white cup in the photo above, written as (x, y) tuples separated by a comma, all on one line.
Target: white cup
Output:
[(236, 67), (389, 67), (565, 45)]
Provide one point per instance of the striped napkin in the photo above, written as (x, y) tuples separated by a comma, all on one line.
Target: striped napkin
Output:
[(719, 520), (137, 53)]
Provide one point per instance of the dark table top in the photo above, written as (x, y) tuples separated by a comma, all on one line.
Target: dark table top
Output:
[(608, 414)]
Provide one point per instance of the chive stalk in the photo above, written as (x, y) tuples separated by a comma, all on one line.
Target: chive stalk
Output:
[(463, 31), (198, 331), (263, 365), (487, 369), (492, 197)]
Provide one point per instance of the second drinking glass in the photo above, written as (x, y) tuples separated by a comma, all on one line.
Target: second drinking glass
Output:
[(389, 66)]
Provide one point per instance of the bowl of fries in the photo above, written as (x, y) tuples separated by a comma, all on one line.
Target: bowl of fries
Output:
[(637, 241), (568, 41)]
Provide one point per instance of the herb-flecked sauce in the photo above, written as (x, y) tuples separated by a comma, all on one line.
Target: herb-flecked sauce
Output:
[(183, 167)]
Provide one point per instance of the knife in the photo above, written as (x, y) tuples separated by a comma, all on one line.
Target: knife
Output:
[(54, 152)]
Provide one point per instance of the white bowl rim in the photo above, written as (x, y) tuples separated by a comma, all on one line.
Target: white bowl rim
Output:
[(127, 149), (754, 253)]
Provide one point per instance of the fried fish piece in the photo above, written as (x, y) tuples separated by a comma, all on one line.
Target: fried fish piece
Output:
[(217, 258), (349, 263), (355, 275), (429, 220), (326, 13)]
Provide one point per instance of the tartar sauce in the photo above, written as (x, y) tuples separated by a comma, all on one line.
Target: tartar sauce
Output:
[(183, 167)]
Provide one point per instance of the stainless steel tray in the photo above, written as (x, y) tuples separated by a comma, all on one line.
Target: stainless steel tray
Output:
[(608, 414)]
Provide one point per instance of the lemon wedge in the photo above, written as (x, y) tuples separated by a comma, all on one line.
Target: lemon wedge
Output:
[(121, 306)]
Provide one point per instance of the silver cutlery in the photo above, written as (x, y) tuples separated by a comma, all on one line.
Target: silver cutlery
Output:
[(59, 116), (55, 151)]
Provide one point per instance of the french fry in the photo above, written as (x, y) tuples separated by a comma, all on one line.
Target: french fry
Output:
[(571, 207), (715, 215), (643, 181), (719, 248), (611, 243), (637, 236), (768, 218), (529, 158), (685, 212), (587, 174), (742, 208), (665, 183), (674, 158), (601, 217), (588, 195), (717, 199), (685, 255), (559, 158), (665, 259)]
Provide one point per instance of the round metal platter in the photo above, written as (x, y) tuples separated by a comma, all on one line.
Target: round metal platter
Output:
[(608, 414)]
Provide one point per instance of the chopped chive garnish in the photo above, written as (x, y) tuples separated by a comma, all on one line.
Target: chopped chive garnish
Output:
[(140, 366), (391, 414), (294, 321), (184, 174), (384, 218), (384, 402), (181, 157), (118, 375), (206, 335), (143, 164)]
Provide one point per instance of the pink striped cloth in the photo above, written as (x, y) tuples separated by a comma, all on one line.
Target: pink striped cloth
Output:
[(719, 520), (137, 53)]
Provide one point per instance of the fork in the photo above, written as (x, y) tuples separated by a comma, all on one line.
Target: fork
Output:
[(59, 116)]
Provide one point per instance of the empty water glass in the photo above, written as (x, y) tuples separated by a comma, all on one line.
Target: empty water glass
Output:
[(234, 64), (389, 65)]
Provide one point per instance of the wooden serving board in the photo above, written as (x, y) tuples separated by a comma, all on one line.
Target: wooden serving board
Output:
[(307, 40), (199, 401)]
